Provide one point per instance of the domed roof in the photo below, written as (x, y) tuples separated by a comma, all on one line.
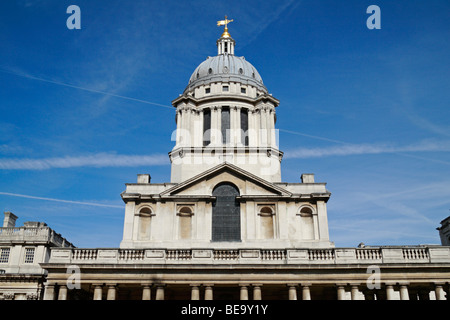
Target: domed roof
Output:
[(226, 68)]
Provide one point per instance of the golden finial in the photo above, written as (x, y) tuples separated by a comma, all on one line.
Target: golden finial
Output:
[(225, 22)]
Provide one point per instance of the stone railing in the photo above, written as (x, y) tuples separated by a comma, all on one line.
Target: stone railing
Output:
[(372, 255), (31, 234)]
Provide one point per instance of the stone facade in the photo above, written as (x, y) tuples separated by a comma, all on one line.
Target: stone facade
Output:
[(273, 215), (226, 227), (381, 273), (22, 250)]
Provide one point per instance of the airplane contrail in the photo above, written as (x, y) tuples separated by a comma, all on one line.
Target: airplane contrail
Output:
[(85, 89), (60, 200)]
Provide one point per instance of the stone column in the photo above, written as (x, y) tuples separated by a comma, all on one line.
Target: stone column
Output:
[(180, 127), (112, 292), (341, 293), (195, 292), (62, 294), (389, 292), (253, 127), (185, 116), (404, 295), (191, 126), (208, 291), (292, 291), (244, 292), (440, 293), (257, 292), (178, 115), (98, 292), (49, 292), (273, 136), (159, 292), (269, 126), (322, 221), (354, 292), (306, 294), (146, 292), (263, 137), (216, 132)]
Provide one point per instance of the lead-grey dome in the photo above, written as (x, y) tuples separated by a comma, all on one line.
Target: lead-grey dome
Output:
[(225, 68)]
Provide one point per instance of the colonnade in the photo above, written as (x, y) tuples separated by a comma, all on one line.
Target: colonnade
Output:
[(295, 291), (260, 128)]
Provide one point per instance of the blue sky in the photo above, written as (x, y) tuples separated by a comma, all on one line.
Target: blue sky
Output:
[(367, 111)]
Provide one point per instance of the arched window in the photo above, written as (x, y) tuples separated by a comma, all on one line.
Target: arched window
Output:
[(145, 218), (266, 214), (185, 222), (307, 223), (226, 213)]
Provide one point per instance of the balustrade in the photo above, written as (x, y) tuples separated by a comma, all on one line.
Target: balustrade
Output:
[(368, 254), (33, 234), (226, 254), (178, 254), (321, 254), (85, 254), (130, 254), (301, 256), (415, 253), (273, 254)]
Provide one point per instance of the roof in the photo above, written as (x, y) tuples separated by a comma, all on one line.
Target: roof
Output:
[(226, 68)]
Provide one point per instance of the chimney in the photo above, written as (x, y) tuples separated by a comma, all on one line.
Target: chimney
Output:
[(308, 178), (143, 178), (10, 220)]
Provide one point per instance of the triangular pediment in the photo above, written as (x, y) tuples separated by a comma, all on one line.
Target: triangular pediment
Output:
[(247, 183)]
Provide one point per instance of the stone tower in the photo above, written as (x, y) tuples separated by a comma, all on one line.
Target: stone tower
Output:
[(226, 114), (225, 188)]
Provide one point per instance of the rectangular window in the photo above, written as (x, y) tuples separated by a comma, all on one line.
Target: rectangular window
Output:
[(207, 90), (225, 125), (206, 127), (225, 88), (29, 255), (243, 90), (4, 255)]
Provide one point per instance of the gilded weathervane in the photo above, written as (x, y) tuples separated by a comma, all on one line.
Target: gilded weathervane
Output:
[(225, 23)]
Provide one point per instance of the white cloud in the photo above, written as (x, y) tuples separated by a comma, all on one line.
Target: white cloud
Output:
[(96, 160), (361, 149)]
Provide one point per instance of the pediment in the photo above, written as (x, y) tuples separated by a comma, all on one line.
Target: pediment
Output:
[(247, 183)]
